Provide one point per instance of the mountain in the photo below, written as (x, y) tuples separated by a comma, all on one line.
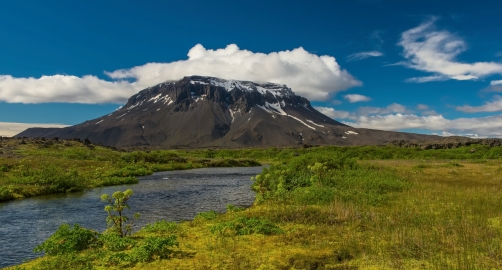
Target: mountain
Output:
[(199, 111)]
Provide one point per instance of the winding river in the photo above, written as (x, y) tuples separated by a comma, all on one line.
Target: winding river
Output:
[(172, 196)]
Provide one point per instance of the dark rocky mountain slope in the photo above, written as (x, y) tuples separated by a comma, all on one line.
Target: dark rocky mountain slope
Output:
[(201, 111)]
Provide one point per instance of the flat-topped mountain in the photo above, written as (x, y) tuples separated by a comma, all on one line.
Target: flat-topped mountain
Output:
[(199, 111)]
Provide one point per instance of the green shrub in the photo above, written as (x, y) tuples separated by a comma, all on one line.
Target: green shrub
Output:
[(117, 221), (68, 240), (114, 242), (153, 248)]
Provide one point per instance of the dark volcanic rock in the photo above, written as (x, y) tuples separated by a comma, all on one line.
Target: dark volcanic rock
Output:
[(210, 112)]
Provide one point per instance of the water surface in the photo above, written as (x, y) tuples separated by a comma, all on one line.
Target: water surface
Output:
[(172, 196)]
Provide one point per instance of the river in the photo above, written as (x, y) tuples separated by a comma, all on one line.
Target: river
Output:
[(172, 196)]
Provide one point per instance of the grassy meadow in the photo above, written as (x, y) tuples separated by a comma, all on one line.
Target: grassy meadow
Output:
[(371, 207)]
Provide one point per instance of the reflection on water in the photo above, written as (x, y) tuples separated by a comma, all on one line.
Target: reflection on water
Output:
[(173, 196)]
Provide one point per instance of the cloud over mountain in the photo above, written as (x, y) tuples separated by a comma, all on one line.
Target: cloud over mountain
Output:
[(312, 76), (397, 117)]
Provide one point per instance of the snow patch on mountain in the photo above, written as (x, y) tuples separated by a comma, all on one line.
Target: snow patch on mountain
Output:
[(273, 108), (312, 122), (299, 120)]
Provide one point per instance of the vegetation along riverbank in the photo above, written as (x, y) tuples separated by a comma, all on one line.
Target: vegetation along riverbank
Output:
[(368, 207), (30, 167)]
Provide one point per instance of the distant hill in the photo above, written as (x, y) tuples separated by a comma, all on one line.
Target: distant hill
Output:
[(198, 111)]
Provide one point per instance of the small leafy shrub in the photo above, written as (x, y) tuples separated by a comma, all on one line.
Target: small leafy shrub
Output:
[(119, 258), (162, 226), (114, 242), (246, 226), (152, 248), (117, 221), (209, 215), (68, 240)]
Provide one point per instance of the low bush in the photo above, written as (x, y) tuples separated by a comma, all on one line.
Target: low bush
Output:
[(113, 242), (152, 248), (68, 240)]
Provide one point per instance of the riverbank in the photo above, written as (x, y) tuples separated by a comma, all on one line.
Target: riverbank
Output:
[(322, 209), (31, 167)]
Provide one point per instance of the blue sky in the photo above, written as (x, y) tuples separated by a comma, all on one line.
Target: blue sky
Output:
[(418, 66)]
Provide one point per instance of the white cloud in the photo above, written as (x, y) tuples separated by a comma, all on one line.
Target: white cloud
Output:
[(425, 110), (363, 55), (362, 111), (435, 51), (396, 117), (392, 108), (312, 76), (8, 129), (435, 78), (422, 107), (490, 106), (352, 98), (64, 88), (449, 134), (496, 82), (335, 114), (490, 126)]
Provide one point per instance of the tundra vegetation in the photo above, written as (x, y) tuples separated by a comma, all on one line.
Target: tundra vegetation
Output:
[(368, 207)]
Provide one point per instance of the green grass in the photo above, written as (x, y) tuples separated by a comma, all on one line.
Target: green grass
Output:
[(329, 208)]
